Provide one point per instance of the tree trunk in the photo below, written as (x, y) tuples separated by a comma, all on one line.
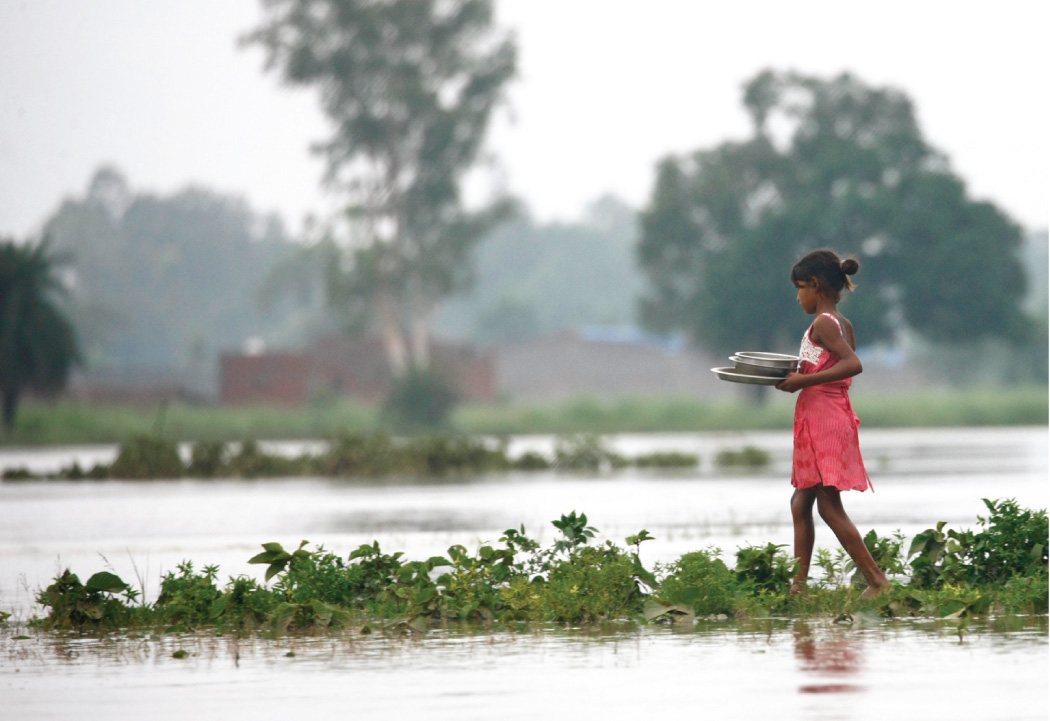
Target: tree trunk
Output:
[(419, 338), (9, 401), (392, 334)]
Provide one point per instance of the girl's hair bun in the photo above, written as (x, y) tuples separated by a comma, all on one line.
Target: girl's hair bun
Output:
[(850, 266)]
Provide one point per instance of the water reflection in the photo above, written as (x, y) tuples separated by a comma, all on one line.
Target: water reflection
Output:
[(833, 659)]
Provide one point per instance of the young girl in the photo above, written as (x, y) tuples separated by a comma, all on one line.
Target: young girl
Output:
[(827, 457)]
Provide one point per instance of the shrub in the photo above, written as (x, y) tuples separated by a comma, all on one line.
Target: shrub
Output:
[(92, 606), (592, 584), (419, 399), (765, 569), (585, 452), (186, 599), (147, 457), (747, 457), (701, 581)]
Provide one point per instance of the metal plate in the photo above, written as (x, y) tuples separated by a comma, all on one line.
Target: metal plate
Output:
[(733, 376), (772, 360), (747, 368)]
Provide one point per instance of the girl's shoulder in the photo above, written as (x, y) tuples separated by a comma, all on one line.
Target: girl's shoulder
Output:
[(833, 323)]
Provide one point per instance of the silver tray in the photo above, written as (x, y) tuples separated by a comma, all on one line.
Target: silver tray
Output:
[(771, 360), (746, 367), (734, 376)]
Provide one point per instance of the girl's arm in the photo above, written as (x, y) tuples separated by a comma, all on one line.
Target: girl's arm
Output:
[(828, 336)]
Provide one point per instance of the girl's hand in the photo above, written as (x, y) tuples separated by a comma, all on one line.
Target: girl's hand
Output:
[(792, 382)]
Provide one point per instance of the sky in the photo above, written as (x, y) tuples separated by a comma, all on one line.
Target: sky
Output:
[(162, 90)]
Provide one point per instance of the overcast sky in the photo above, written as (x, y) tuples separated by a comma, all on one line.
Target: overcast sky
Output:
[(160, 89)]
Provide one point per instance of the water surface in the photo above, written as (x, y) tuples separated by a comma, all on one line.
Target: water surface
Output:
[(871, 669)]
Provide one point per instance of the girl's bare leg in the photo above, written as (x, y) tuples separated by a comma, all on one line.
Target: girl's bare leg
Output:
[(829, 505), (802, 517)]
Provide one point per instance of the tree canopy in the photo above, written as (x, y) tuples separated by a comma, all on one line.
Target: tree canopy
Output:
[(409, 87), (163, 283), (38, 347), (830, 163)]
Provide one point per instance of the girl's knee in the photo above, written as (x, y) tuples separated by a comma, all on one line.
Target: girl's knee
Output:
[(801, 504)]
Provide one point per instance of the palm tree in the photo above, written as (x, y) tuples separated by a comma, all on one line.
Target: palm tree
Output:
[(38, 347)]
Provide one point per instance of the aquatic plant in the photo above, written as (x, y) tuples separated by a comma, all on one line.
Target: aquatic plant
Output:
[(147, 457), (746, 457), (572, 580), (357, 455), (1012, 542), (585, 452), (700, 581)]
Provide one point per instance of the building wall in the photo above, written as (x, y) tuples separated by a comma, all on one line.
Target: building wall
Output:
[(353, 367), (566, 365), (281, 378)]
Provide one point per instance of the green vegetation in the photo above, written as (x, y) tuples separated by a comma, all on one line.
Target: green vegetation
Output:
[(355, 456), (38, 346), (409, 89), (999, 569), (69, 422), (829, 162)]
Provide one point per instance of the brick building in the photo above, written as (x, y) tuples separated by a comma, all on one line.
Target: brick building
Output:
[(335, 365)]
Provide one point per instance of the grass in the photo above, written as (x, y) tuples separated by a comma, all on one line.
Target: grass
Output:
[(65, 422)]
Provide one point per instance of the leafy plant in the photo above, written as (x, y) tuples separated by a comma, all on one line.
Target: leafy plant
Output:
[(746, 457), (419, 400), (1013, 542), (276, 558), (186, 599), (147, 457), (765, 568), (86, 606), (585, 452), (575, 530), (701, 582)]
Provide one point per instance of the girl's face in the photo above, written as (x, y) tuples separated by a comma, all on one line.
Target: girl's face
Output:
[(808, 295)]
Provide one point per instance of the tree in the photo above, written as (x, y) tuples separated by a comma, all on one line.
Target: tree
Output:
[(162, 284), (830, 163), (409, 86), (38, 347)]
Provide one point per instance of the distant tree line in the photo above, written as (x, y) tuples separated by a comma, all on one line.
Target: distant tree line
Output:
[(161, 284)]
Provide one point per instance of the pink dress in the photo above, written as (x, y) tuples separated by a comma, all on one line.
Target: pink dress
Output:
[(827, 449)]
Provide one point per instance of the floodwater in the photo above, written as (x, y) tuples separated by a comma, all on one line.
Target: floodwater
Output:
[(767, 668)]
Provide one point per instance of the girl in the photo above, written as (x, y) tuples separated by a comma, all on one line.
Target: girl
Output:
[(827, 457)]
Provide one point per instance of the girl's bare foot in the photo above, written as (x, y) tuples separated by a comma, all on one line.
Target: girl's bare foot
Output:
[(798, 588), (873, 591)]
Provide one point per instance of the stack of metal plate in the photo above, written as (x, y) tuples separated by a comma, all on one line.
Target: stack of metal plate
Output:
[(758, 368)]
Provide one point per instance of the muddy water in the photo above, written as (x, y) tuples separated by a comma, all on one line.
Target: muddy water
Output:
[(775, 669)]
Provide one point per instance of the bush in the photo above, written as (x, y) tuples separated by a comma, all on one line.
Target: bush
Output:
[(147, 457), (585, 452), (747, 457), (186, 600), (420, 399), (701, 581), (592, 584)]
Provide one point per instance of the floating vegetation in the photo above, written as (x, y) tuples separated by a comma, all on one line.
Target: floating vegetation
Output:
[(746, 457), (999, 569), (358, 455)]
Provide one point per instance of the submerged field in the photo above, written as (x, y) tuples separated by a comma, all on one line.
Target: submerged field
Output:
[(331, 639)]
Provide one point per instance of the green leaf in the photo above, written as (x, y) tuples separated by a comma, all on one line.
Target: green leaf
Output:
[(655, 609), (105, 581)]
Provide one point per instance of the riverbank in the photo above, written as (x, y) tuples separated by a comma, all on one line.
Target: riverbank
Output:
[(67, 422)]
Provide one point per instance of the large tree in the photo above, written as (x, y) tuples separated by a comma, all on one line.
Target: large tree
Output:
[(830, 163), (37, 344), (409, 87)]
